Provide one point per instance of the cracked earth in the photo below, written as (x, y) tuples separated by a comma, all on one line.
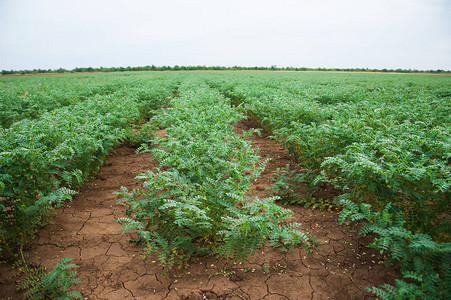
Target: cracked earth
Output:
[(113, 267)]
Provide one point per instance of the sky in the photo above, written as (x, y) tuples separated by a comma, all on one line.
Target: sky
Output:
[(49, 34)]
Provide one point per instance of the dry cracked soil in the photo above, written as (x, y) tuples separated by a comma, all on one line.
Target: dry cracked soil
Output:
[(111, 266)]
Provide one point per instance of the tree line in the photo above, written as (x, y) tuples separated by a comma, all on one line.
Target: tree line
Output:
[(216, 68)]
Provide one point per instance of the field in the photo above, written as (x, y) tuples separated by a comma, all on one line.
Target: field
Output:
[(249, 185)]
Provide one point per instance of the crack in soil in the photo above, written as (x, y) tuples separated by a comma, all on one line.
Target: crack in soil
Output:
[(242, 291), (276, 294), (123, 285), (310, 283), (169, 290), (239, 296), (267, 285), (84, 223)]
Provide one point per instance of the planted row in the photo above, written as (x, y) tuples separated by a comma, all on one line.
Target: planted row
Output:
[(30, 97), (195, 203), (42, 161), (381, 150), (388, 151)]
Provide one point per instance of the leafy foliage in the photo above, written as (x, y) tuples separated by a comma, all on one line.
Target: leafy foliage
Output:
[(286, 184), (195, 204), (383, 141), (54, 285), (425, 264), (43, 161), (254, 223)]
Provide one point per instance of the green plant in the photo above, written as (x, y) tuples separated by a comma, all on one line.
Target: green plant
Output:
[(140, 134), (425, 264), (224, 273), (257, 221), (43, 161), (196, 204), (383, 142), (286, 184), (56, 284)]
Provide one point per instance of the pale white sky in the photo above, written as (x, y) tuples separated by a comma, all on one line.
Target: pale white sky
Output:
[(380, 34)]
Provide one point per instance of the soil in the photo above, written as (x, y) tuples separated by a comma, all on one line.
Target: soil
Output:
[(111, 266)]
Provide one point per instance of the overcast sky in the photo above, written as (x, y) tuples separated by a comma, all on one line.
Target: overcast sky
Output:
[(380, 34)]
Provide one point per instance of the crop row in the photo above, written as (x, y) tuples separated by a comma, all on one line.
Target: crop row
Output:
[(387, 148), (43, 160), (30, 97), (195, 203)]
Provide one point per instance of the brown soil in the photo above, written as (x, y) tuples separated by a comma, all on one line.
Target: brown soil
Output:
[(112, 267)]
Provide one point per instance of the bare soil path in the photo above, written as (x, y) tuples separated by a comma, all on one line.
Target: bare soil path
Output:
[(112, 267)]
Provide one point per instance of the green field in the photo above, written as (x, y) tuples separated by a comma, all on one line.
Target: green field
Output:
[(382, 140)]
